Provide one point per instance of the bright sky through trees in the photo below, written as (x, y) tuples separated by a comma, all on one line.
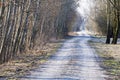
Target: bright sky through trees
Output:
[(85, 7)]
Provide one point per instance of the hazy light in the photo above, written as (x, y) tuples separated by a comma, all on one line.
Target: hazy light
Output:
[(84, 7), (84, 10)]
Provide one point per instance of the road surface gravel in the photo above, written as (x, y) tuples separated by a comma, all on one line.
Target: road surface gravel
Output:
[(75, 60)]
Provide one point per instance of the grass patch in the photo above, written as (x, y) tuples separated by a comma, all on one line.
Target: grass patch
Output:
[(109, 62), (112, 67)]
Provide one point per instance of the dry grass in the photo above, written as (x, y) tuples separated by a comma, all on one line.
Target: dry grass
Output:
[(111, 57), (72, 34), (23, 63), (111, 50)]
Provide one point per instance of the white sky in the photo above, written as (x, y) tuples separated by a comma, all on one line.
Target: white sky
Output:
[(84, 7)]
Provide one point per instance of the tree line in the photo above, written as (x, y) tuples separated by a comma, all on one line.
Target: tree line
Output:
[(106, 17), (113, 20), (30, 24)]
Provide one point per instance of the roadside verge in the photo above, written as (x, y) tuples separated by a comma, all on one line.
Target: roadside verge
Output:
[(25, 62), (110, 55)]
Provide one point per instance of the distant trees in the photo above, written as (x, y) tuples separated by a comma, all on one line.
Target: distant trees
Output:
[(97, 22), (30, 24), (107, 14)]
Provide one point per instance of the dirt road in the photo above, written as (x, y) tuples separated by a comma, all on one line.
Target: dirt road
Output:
[(75, 60)]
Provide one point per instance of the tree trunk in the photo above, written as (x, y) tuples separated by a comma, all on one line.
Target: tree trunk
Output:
[(108, 23)]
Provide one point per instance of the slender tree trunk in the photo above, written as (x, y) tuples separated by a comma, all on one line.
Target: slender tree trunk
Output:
[(108, 23), (116, 25)]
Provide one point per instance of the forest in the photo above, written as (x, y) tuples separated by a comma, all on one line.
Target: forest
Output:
[(30, 24), (27, 25)]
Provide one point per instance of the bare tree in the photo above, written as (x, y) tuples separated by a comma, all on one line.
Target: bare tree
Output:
[(30, 24)]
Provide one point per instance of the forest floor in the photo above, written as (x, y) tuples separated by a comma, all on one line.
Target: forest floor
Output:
[(25, 62), (110, 54)]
